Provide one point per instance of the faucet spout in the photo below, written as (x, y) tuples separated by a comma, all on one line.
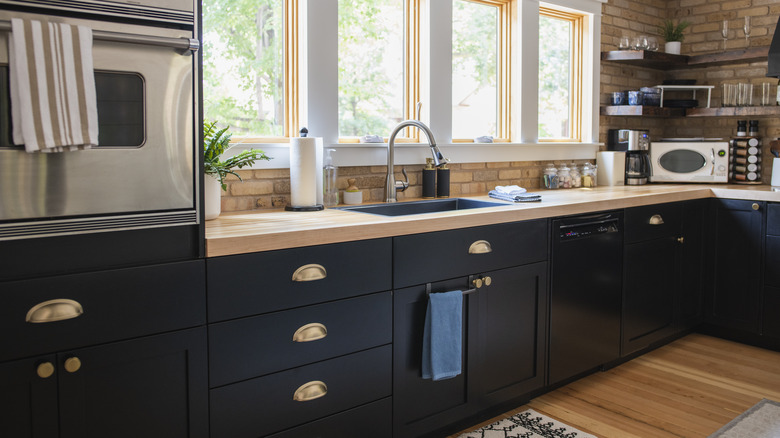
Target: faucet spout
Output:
[(391, 185)]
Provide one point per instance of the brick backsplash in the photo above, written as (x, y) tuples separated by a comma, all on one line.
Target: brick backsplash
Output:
[(271, 188)]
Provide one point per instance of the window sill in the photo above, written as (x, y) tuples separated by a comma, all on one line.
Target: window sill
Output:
[(375, 154)]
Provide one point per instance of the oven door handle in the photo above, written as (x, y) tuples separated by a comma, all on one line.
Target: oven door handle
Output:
[(712, 161), (185, 46)]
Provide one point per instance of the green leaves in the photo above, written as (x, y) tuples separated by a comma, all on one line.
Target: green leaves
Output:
[(670, 32), (215, 143)]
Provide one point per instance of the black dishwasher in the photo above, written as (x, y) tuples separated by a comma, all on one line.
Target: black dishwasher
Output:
[(585, 293)]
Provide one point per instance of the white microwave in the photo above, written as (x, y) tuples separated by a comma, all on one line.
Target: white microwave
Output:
[(689, 161)]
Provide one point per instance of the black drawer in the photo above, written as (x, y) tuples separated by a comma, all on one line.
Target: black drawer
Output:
[(773, 218), (265, 405), (251, 284), (251, 347), (117, 304), (652, 221), (372, 420), (772, 264), (421, 258)]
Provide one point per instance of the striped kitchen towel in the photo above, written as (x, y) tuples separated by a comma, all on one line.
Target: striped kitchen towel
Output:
[(53, 99)]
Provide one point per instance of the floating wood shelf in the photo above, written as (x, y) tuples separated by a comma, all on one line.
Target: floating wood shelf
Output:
[(667, 61), (637, 110), (734, 111)]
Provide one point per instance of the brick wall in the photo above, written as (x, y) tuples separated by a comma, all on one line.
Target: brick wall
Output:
[(271, 188)]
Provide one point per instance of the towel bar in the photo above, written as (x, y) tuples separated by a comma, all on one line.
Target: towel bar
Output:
[(472, 280), (186, 45)]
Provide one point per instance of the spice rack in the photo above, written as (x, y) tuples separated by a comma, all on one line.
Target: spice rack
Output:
[(745, 160)]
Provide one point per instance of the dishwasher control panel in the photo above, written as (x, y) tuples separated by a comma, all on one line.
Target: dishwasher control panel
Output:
[(584, 230)]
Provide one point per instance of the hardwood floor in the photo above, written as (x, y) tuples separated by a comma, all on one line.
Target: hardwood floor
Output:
[(689, 388)]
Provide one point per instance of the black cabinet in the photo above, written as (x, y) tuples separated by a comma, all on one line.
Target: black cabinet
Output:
[(737, 235), (771, 304), (689, 308), (504, 322), (152, 386)]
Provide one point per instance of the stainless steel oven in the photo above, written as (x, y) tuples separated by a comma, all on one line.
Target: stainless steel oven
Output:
[(144, 172)]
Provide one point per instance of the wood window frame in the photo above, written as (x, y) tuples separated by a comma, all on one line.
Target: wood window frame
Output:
[(503, 70), (577, 21)]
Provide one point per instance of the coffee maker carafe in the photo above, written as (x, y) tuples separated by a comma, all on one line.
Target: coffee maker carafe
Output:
[(636, 144)]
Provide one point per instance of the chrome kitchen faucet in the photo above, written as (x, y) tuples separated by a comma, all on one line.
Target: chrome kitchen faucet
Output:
[(391, 185)]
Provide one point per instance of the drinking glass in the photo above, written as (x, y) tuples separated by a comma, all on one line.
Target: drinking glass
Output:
[(745, 96), (652, 44), (746, 28), (729, 97), (766, 94), (624, 43), (724, 32)]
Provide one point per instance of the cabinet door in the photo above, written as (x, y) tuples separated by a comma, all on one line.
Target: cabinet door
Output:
[(154, 386), (421, 406), (737, 239), (692, 262), (512, 320), (28, 398), (649, 286)]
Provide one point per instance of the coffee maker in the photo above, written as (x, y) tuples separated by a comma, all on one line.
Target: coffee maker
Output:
[(636, 144)]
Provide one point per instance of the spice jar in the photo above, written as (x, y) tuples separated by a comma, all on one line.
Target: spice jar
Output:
[(576, 176), (588, 175), (550, 177), (564, 177)]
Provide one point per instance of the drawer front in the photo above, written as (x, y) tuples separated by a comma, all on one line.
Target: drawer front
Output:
[(372, 420), (772, 272), (251, 347), (265, 405), (115, 304), (428, 257), (773, 219), (652, 221), (252, 284)]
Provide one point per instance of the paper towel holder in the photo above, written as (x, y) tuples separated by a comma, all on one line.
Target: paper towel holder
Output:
[(316, 207)]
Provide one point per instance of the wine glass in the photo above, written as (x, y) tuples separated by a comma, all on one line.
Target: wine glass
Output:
[(724, 31), (746, 28)]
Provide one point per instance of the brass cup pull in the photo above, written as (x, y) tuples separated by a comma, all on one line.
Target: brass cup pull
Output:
[(45, 370), (480, 247), (310, 272), (656, 219), (310, 391), (72, 364), (310, 332), (54, 310)]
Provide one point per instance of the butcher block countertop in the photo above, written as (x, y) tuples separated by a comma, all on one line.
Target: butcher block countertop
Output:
[(252, 231)]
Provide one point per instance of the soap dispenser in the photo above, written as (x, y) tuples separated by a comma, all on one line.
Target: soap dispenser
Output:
[(429, 180), (329, 174)]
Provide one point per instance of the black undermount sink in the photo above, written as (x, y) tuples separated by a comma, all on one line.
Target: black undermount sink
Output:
[(421, 207)]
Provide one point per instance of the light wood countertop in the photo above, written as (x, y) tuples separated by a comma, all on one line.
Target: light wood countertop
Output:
[(244, 232)]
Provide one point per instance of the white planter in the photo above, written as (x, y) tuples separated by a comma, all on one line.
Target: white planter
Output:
[(212, 197), (672, 47)]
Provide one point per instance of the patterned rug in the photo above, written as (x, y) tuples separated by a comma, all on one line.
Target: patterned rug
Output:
[(527, 424), (760, 421)]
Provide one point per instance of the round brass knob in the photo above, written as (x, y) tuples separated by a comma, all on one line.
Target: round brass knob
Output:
[(478, 283), (681, 239), (45, 370), (755, 206), (72, 364), (488, 280)]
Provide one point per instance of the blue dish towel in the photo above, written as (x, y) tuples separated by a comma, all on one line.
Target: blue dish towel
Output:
[(442, 336)]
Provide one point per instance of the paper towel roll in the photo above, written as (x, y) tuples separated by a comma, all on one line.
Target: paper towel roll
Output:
[(776, 172), (305, 171)]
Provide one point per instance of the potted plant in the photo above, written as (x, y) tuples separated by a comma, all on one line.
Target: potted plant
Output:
[(673, 34), (215, 143)]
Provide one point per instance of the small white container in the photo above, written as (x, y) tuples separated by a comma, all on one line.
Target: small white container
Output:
[(352, 195), (776, 172)]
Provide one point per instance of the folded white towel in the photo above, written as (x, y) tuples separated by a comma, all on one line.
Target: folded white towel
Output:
[(510, 190), (53, 99)]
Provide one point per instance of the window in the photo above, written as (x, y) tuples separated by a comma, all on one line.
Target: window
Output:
[(249, 66), (371, 66), (480, 69), (560, 75)]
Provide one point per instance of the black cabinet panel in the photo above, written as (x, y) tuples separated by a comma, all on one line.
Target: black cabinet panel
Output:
[(28, 402), (652, 221), (737, 249), (773, 219), (252, 284), (771, 310), (265, 405), (422, 405), (512, 325), (373, 420), (154, 386), (117, 304), (422, 258), (251, 347), (692, 264), (649, 284), (772, 272)]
